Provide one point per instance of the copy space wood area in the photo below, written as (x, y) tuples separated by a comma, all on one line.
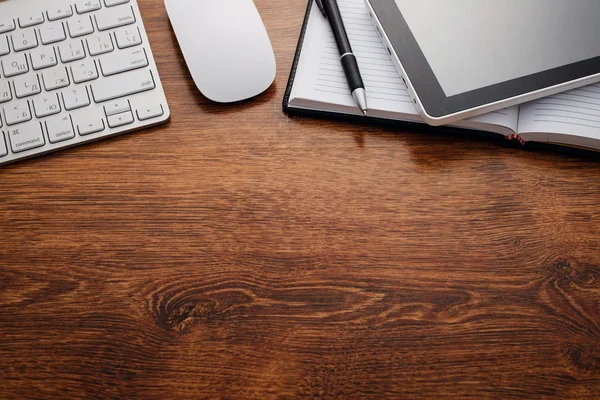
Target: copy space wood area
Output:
[(238, 253)]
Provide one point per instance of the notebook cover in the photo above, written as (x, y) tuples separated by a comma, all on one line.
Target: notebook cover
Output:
[(288, 89)]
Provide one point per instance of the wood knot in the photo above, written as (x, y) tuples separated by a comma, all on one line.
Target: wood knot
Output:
[(181, 311), (582, 275), (562, 265), (183, 317), (583, 356)]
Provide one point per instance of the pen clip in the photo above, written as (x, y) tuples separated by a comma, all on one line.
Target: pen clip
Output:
[(320, 5)]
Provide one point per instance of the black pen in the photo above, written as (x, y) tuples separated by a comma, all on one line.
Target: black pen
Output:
[(331, 11)]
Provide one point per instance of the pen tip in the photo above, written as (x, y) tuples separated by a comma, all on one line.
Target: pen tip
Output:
[(364, 112)]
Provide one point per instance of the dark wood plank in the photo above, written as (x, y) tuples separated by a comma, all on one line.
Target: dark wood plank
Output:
[(238, 253)]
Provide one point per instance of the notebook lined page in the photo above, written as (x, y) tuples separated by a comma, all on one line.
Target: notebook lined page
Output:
[(576, 112), (381, 79), (321, 72), (320, 76)]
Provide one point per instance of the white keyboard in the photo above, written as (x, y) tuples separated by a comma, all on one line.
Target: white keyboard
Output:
[(73, 71)]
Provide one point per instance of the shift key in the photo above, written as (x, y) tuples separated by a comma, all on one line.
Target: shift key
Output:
[(122, 85)]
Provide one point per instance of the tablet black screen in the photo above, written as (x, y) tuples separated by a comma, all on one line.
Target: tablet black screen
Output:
[(461, 54)]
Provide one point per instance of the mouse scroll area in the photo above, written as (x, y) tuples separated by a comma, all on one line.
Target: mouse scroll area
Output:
[(226, 47)]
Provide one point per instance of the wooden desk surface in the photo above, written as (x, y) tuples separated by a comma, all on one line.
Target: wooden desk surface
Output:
[(237, 253)]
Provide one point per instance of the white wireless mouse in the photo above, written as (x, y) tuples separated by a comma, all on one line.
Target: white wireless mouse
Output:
[(225, 45)]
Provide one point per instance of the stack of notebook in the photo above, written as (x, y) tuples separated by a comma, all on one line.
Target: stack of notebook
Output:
[(317, 85)]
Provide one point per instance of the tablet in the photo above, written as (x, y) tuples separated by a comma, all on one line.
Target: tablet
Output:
[(463, 58)]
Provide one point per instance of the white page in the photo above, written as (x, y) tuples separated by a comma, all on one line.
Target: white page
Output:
[(572, 113), (320, 77)]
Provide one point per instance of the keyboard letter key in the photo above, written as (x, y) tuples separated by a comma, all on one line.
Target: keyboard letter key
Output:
[(5, 93), (27, 85), (43, 58), (122, 85), (17, 112), (84, 71), (55, 78), (76, 97), (71, 51), (26, 137), (14, 65), (45, 105), (100, 44)]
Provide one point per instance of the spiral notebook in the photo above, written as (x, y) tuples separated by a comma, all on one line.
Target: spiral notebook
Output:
[(317, 86)]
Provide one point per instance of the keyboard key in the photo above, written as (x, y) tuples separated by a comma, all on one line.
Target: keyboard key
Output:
[(126, 118), (43, 57), (27, 85), (85, 6), (5, 93), (60, 77), (4, 48), (80, 26), (89, 126), (55, 78), (14, 65), (116, 107), (71, 51), (128, 37), (84, 71), (122, 85), (31, 20), (100, 44), (112, 3), (46, 104), (3, 148), (52, 33), (59, 13), (122, 61), (150, 112), (17, 112), (76, 97), (26, 137), (59, 129), (7, 25), (114, 17), (24, 40)]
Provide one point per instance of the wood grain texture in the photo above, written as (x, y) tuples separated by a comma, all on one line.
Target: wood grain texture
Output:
[(237, 253)]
